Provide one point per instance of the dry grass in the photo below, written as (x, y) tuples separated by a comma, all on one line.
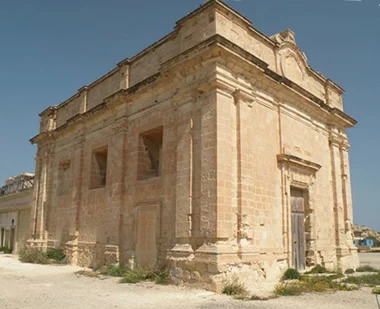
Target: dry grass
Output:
[(366, 268), (310, 284), (235, 288), (368, 280), (33, 257)]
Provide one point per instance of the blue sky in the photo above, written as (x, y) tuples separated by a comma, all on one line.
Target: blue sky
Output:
[(51, 48)]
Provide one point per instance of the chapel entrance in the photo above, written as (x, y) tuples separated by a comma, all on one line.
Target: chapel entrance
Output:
[(297, 201)]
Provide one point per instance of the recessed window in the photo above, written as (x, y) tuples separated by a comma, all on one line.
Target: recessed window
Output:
[(63, 178), (99, 168), (149, 156)]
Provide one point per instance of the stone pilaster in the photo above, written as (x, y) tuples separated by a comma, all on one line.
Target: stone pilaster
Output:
[(124, 68), (345, 251), (184, 173), (39, 210), (208, 157), (245, 214), (83, 92), (352, 257), (337, 192)]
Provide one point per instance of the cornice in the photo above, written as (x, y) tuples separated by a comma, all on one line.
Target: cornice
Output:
[(242, 96), (293, 160), (339, 141), (127, 95), (210, 3)]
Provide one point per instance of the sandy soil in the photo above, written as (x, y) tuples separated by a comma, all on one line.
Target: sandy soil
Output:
[(372, 259), (54, 287)]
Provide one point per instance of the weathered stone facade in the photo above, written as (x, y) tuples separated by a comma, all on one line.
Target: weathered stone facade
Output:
[(16, 199), (210, 152)]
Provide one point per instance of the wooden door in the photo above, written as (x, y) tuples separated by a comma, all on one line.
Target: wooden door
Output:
[(297, 201)]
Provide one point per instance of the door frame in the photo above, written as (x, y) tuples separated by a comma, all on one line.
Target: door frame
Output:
[(299, 173)]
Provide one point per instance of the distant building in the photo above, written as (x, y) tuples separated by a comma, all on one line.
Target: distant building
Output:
[(16, 198), (364, 242)]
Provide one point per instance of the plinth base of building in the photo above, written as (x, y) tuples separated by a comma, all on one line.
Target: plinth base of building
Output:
[(37, 244), (347, 258), (212, 266)]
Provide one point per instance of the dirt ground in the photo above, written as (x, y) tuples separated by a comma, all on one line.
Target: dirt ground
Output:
[(27, 286), (372, 259)]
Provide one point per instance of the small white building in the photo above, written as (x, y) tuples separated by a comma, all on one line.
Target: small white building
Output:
[(16, 198)]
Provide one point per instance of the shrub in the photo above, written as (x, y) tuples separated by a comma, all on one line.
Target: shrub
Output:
[(115, 271), (55, 254), (349, 271), (234, 288), (318, 269), (162, 278), (291, 274), (135, 276), (138, 275), (5, 250), (33, 256), (366, 268)]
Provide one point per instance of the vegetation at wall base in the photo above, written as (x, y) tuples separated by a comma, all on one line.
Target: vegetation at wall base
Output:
[(56, 255), (291, 274), (114, 271), (5, 250), (235, 288), (135, 276), (53, 256), (33, 256), (318, 269), (162, 278), (138, 275)]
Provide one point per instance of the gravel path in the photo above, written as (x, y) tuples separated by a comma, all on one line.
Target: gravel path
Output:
[(27, 286)]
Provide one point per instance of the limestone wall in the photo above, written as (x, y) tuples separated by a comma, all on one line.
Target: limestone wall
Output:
[(68, 110), (104, 88), (241, 33)]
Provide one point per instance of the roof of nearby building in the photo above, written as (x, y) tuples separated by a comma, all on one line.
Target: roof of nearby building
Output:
[(16, 184)]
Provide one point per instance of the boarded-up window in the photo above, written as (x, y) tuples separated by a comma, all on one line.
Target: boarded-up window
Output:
[(99, 168), (149, 156), (63, 178)]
